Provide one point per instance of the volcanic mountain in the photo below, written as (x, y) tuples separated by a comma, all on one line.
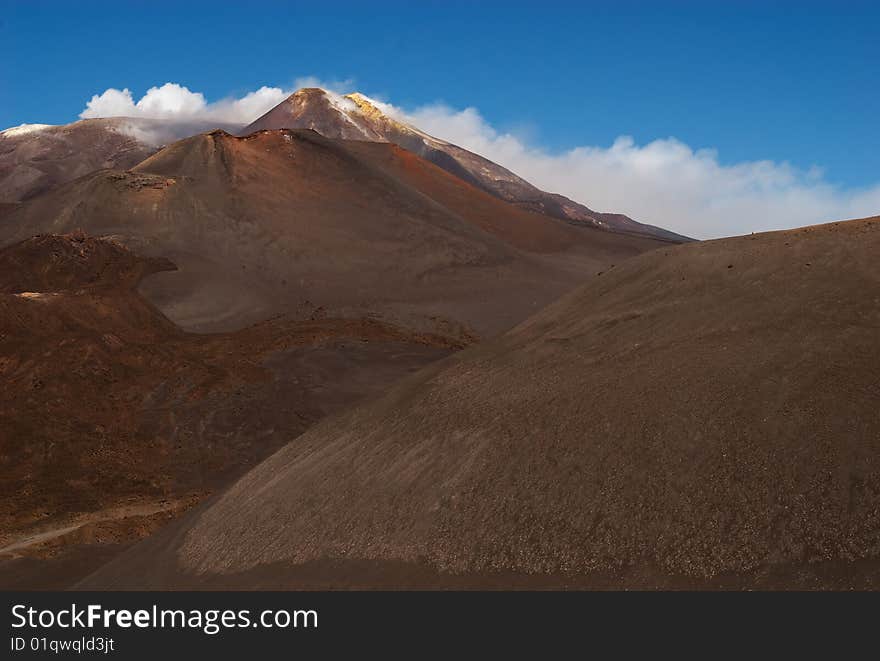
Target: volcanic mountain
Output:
[(357, 117), (699, 416), (276, 221), (35, 158)]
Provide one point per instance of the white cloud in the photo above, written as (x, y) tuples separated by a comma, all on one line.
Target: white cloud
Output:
[(112, 103), (338, 86), (173, 101), (664, 182)]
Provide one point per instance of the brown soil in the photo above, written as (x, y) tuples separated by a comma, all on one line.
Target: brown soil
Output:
[(107, 408), (702, 416)]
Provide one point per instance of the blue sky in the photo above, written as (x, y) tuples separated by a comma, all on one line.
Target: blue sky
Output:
[(795, 83)]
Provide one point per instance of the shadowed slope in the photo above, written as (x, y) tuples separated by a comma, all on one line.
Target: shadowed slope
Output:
[(37, 158), (34, 159), (704, 415)]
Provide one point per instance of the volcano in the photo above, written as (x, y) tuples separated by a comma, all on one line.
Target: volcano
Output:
[(266, 224), (358, 117), (177, 321)]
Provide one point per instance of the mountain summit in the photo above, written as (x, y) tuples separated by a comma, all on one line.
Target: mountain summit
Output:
[(349, 117), (358, 117)]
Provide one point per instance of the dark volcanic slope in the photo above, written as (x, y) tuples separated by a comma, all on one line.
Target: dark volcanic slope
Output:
[(110, 416), (704, 415), (262, 225), (357, 117), (37, 158), (34, 160)]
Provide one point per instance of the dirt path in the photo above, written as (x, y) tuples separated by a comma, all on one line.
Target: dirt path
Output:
[(22, 542)]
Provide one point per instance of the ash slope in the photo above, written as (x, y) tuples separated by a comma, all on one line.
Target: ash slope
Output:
[(357, 117), (703, 416), (262, 225)]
